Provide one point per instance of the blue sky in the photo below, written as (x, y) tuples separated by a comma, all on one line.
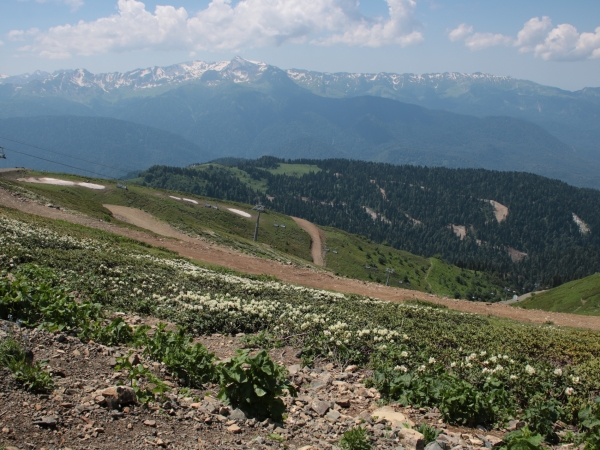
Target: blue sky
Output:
[(547, 41)]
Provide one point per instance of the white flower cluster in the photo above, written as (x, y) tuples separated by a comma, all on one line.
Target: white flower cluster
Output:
[(21, 234)]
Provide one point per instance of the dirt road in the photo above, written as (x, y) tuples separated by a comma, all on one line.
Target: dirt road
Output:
[(317, 238), (213, 254)]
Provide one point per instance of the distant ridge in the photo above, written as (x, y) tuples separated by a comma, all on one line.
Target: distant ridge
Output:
[(246, 109)]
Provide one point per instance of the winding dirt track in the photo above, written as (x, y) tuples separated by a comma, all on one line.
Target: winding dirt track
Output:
[(201, 251), (317, 237)]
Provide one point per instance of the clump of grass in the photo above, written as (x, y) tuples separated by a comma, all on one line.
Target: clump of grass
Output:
[(355, 439), (31, 375), (429, 433)]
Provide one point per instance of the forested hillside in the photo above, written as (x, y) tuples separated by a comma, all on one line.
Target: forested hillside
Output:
[(532, 230)]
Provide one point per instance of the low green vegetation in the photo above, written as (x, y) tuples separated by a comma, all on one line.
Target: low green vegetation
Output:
[(357, 257), (284, 242), (429, 433), (254, 384), (217, 225), (477, 370), (294, 170), (412, 209), (15, 357), (576, 297), (355, 439)]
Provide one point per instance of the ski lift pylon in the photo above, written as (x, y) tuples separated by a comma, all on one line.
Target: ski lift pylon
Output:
[(2, 155)]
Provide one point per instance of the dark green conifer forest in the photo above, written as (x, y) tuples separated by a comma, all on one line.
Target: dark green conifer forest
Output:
[(412, 208)]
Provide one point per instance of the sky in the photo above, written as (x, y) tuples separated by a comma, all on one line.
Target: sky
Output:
[(551, 42)]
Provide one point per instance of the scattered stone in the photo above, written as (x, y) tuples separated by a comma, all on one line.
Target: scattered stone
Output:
[(150, 423), (411, 439), (46, 421), (515, 425), (434, 446), (320, 407), (493, 440), (396, 419), (237, 414), (344, 402), (351, 369), (123, 394), (234, 429), (294, 369), (332, 416)]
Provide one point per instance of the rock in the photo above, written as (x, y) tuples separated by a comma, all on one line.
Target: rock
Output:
[(123, 394), (434, 446), (362, 392), (304, 398), (317, 384), (515, 425), (366, 416), (234, 429), (224, 411), (237, 414), (411, 439), (150, 423), (344, 402), (306, 447), (46, 421), (493, 440), (476, 442), (320, 407), (332, 416), (396, 419), (5, 430), (351, 369), (134, 359), (294, 369)]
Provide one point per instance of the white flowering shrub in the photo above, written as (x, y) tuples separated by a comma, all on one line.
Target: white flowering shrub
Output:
[(408, 345)]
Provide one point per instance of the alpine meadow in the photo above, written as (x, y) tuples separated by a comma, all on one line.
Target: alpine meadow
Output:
[(387, 236)]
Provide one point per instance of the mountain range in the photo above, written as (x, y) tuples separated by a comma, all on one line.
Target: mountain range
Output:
[(243, 108)]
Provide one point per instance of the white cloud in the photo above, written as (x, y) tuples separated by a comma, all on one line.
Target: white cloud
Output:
[(538, 36), (402, 28), (460, 33), (479, 41), (74, 4), (226, 26), (565, 43), (533, 32)]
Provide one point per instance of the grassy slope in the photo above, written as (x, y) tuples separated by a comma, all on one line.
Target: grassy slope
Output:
[(226, 228), (220, 225), (423, 274), (294, 170), (579, 297)]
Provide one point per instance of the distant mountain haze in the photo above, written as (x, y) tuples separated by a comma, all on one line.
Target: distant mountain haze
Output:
[(247, 109), (117, 146)]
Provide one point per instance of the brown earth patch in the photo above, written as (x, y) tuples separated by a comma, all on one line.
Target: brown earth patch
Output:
[(317, 238)]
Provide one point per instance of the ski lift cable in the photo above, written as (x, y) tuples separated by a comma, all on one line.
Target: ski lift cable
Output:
[(68, 156), (61, 164)]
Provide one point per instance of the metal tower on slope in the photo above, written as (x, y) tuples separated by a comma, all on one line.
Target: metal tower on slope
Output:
[(260, 208)]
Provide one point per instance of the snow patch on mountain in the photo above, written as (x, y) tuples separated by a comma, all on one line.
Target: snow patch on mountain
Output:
[(238, 70)]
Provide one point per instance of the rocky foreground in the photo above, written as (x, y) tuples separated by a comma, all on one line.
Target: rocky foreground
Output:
[(89, 410)]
